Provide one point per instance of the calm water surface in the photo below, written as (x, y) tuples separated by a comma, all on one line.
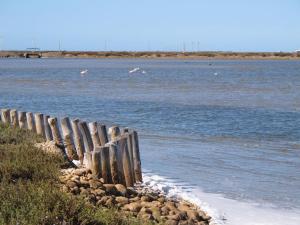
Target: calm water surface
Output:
[(225, 127)]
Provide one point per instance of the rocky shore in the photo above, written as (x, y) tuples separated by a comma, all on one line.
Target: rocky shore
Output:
[(139, 201)]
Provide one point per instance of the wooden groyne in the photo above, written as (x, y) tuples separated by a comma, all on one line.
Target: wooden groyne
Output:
[(113, 156)]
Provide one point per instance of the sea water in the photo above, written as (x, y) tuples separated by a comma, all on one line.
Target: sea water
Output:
[(224, 134)]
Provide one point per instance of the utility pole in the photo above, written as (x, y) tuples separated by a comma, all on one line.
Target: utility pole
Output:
[(59, 49), (1, 43)]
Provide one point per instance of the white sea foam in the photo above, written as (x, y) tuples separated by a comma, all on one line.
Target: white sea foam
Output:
[(224, 211)]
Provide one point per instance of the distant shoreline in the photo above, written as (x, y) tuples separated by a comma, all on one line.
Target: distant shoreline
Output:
[(153, 55)]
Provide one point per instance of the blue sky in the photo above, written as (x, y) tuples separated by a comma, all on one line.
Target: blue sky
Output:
[(227, 25)]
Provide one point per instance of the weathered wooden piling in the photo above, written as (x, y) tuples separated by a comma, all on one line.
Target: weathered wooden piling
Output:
[(136, 157), (105, 165), (96, 164), (14, 118), (129, 137), (22, 120), (5, 116), (102, 134), (114, 132), (113, 149), (30, 121), (124, 155), (39, 124), (78, 140), (68, 138), (48, 132), (125, 130), (87, 139), (55, 132), (94, 134)]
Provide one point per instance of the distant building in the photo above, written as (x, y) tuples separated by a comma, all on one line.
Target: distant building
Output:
[(297, 51)]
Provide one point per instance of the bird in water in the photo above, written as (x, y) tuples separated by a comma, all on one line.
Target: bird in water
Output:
[(83, 72), (135, 70)]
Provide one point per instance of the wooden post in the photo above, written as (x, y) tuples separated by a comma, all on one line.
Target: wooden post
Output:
[(96, 164), (5, 116), (39, 124), (55, 132), (125, 130), (104, 151), (129, 137), (136, 157), (78, 140), (22, 120), (94, 134), (48, 132), (68, 138), (14, 118), (89, 160), (122, 143), (114, 132), (88, 143), (30, 121), (102, 134), (113, 149)]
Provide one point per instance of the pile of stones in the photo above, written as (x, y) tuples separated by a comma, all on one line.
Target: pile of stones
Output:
[(140, 202)]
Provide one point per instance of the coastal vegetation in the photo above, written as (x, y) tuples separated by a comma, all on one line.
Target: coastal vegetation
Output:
[(29, 187)]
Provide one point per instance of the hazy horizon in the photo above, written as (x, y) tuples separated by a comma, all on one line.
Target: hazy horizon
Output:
[(253, 26)]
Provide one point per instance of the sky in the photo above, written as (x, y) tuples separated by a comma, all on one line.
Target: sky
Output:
[(140, 25)]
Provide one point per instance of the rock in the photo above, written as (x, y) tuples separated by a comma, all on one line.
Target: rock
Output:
[(122, 200), (65, 188), (183, 222), (156, 213), (75, 178), (103, 200), (75, 190), (164, 210), (145, 210), (90, 176), (80, 172), (184, 207), (110, 202), (95, 184), (71, 184), (84, 192), (110, 189), (161, 199), (98, 192), (174, 217), (131, 191), (151, 204), (135, 199), (133, 207), (101, 180), (146, 217), (122, 190), (84, 182), (202, 223), (171, 222), (145, 198), (194, 215), (203, 216)]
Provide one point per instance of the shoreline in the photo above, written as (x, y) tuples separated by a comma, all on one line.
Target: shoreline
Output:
[(203, 55), (141, 201)]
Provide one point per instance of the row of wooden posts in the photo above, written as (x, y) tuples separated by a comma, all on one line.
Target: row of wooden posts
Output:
[(115, 159)]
